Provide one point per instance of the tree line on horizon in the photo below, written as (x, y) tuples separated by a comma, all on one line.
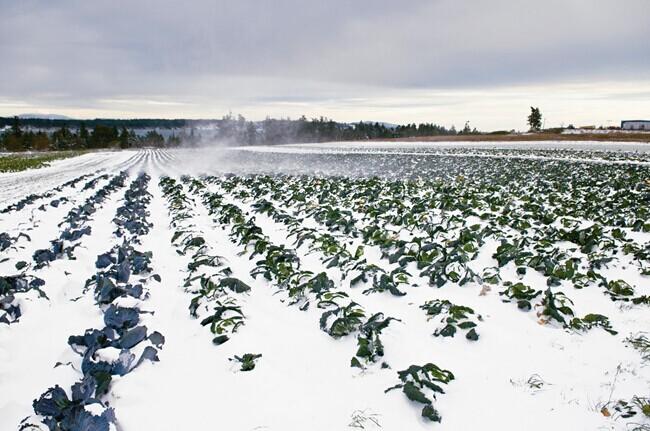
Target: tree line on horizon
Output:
[(37, 134), (17, 139)]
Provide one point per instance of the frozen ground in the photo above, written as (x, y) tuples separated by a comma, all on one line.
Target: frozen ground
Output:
[(581, 209)]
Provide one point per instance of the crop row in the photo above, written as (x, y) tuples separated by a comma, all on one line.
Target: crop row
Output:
[(75, 224), (7, 240), (208, 279), (122, 272), (448, 244), (20, 284), (281, 266), (33, 197), (418, 232)]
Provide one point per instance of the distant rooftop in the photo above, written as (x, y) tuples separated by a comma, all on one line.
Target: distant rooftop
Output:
[(635, 125)]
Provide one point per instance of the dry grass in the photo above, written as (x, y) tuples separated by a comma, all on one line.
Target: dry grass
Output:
[(543, 136)]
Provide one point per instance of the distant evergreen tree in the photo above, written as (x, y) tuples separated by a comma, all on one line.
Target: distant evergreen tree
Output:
[(535, 119), (84, 137), (251, 133), (40, 142), (103, 136), (13, 143), (15, 127), (64, 139), (154, 139), (173, 141), (124, 138)]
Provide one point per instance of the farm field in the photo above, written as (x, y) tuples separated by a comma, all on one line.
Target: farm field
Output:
[(393, 286), (16, 163)]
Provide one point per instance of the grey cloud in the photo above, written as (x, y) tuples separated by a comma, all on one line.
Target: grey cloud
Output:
[(239, 52)]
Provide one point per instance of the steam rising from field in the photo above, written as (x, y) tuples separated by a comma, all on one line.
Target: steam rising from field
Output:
[(393, 160)]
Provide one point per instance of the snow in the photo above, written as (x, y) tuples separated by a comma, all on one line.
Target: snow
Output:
[(304, 379)]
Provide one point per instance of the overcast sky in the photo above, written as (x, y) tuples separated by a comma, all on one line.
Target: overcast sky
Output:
[(444, 61)]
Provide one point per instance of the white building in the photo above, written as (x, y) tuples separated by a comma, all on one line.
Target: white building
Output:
[(636, 125)]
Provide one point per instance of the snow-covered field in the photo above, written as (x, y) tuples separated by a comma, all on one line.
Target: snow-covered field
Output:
[(491, 286)]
